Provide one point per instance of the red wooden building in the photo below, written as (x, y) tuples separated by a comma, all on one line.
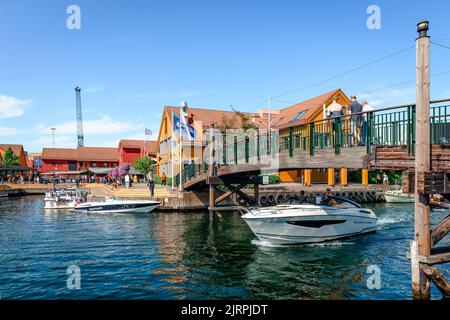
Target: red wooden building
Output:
[(131, 150)]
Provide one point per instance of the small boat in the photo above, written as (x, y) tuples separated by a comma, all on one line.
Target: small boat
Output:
[(310, 223), (439, 205), (397, 196), (64, 198), (113, 205)]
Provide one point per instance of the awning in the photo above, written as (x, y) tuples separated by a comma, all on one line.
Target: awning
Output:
[(14, 168), (103, 171), (60, 173)]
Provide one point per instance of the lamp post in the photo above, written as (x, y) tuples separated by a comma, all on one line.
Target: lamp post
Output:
[(183, 106), (53, 136)]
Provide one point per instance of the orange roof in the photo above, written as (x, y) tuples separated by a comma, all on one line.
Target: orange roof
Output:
[(16, 148), (97, 154), (207, 116), (151, 146), (59, 154), (81, 154), (310, 108)]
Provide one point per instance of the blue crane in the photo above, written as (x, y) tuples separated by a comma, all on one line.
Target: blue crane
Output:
[(79, 117)]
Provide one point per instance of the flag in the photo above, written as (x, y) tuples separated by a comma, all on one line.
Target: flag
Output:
[(180, 124), (148, 132)]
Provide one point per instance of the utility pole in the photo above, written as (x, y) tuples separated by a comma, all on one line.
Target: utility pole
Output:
[(421, 246), (53, 136)]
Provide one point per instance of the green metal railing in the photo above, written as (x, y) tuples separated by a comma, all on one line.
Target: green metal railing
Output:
[(393, 126)]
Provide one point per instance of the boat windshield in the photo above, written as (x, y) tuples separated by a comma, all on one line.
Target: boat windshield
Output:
[(342, 203)]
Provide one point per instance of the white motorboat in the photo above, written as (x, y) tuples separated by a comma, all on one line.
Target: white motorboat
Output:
[(397, 196), (113, 205), (64, 199), (307, 223)]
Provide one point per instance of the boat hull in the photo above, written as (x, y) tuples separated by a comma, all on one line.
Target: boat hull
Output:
[(399, 198), (316, 226), (118, 208)]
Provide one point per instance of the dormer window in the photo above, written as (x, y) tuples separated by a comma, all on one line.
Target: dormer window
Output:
[(299, 115)]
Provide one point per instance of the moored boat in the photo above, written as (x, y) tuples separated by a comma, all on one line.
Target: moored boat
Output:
[(310, 223), (397, 196), (112, 205), (64, 199)]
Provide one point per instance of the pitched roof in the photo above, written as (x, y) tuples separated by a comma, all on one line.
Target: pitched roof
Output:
[(16, 148), (310, 107), (151, 146), (207, 116), (81, 154), (97, 154), (59, 154)]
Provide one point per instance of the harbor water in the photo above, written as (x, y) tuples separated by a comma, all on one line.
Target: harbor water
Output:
[(194, 256)]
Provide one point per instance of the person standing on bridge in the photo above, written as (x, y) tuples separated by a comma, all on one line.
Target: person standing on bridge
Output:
[(365, 108), (355, 109), (334, 111)]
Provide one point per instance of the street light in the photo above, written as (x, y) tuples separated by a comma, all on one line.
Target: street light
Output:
[(53, 136)]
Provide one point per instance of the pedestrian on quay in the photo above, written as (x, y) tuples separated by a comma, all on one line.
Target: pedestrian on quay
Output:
[(385, 179), (365, 108), (127, 181), (163, 179), (151, 183), (355, 109)]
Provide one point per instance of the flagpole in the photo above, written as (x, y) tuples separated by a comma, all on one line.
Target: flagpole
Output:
[(182, 105), (172, 153)]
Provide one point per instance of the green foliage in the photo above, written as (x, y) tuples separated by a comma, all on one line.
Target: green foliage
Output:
[(144, 165), (10, 159), (395, 177)]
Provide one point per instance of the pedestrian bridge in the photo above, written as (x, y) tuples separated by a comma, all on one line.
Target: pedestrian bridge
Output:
[(385, 140)]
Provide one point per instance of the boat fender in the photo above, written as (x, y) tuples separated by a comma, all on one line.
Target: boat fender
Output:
[(263, 200)]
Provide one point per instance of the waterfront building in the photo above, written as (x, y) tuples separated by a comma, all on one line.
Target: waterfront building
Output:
[(131, 150), (294, 118), (198, 121), (290, 118), (75, 162), (18, 151)]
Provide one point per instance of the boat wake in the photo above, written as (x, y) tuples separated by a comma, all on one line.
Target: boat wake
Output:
[(327, 244)]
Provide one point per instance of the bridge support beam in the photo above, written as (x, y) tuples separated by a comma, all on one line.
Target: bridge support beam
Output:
[(365, 177), (331, 179), (344, 173)]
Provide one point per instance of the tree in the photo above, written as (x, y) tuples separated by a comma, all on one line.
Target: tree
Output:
[(144, 165), (10, 159)]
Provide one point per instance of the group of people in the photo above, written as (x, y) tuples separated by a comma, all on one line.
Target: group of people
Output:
[(358, 117)]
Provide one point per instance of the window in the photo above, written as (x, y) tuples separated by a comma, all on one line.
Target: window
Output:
[(299, 115), (105, 164), (94, 164)]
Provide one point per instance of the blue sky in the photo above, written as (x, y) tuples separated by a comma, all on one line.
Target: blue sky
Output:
[(133, 57)]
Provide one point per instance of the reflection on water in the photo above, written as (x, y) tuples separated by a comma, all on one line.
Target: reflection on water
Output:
[(191, 256)]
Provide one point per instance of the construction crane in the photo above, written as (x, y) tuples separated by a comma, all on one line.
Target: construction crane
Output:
[(79, 117)]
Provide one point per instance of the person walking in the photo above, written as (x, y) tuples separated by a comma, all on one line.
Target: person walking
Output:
[(151, 183), (355, 109), (163, 179), (385, 179), (365, 108), (127, 181)]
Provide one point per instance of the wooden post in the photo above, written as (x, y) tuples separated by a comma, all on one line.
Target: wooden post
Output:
[(256, 192), (307, 177), (422, 234), (331, 179), (344, 172), (365, 177), (212, 193)]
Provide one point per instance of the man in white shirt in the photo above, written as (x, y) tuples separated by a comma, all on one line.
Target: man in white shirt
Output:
[(365, 108)]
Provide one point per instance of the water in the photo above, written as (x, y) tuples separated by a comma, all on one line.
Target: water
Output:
[(190, 256)]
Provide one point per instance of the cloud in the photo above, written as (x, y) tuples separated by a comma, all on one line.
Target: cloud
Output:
[(93, 89), (388, 98), (102, 126), (6, 132), (12, 107)]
